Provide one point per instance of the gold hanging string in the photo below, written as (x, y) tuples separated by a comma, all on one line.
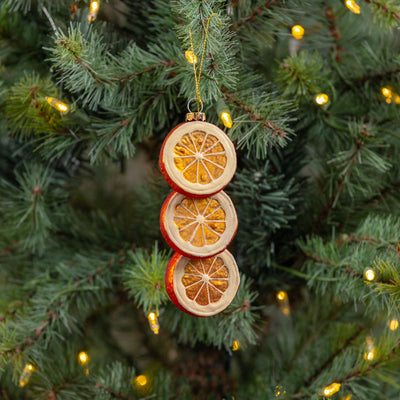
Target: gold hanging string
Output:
[(197, 77)]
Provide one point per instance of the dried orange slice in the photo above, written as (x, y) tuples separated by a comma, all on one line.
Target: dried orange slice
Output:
[(198, 227), (197, 159), (202, 287)]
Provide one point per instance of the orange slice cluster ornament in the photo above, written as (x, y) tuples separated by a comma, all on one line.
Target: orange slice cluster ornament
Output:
[(202, 287), (198, 219), (197, 158)]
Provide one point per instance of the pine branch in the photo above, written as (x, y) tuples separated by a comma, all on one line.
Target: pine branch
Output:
[(328, 363), (264, 125), (253, 116), (144, 278), (334, 32), (111, 393), (260, 11), (386, 9)]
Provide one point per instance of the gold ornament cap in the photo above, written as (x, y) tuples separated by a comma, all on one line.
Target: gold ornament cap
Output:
[(195, 116)]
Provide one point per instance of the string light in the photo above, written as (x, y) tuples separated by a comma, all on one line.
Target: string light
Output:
[(141, 380), (281, 296), (93, 11), (332, 389), (298, 32), (370, 353), (153, 322), (83, 358), (369, 274), (191, 57), (348, 397), (393, 324), (26, 374), (321, 99), (57, 104), (386, 92), (369, 356), (279, 391), (142, 383), (390, 95), (283, 301), (226, 119), (353, 6), (235, 345)]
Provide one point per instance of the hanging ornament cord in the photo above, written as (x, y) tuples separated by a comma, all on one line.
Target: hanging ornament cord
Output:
[(198, 76)]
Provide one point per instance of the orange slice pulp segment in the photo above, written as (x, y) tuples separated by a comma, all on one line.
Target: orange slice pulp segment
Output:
[(205, 281), (200, 221), (200, 157)]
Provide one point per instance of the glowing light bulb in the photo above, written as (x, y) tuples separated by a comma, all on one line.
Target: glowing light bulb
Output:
[(298, 32), (191, 57), (369, 355), (281, 296), (393, 324), (153, 322), (235, 345), (226, 119), (369, 274), (321, 99), (141, 380), (83, 358), (397, 98), (57, 104), (283, 302), (26, 374), (353, 6), (279, 391), (386, 92), (93, 11), (332, 389), (94, 5), (348, 397)]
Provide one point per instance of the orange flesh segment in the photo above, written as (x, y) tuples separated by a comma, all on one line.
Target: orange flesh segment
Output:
[(200, 221), (200, 157), (205, 280)]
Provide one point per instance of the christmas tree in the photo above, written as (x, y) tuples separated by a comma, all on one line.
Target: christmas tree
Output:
[(309, 93)]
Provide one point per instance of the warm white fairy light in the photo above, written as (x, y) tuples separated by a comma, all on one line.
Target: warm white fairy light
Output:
[(369, 355), (235, 345), (153, 322), (83, 358), (141, 383), (353, 6), (393, 324), (321, 99), (93, 11), (283, 301), (282, 296), (332, 389), (298, 32), (369, 274), (26, 374), (57, 104), (226, 119)]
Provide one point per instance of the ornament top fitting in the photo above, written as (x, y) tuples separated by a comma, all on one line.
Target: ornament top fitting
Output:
[(195, 116)]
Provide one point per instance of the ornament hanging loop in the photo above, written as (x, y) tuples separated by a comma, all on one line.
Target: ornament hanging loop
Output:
[(195, 116), (198, 76), (195, 99)]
